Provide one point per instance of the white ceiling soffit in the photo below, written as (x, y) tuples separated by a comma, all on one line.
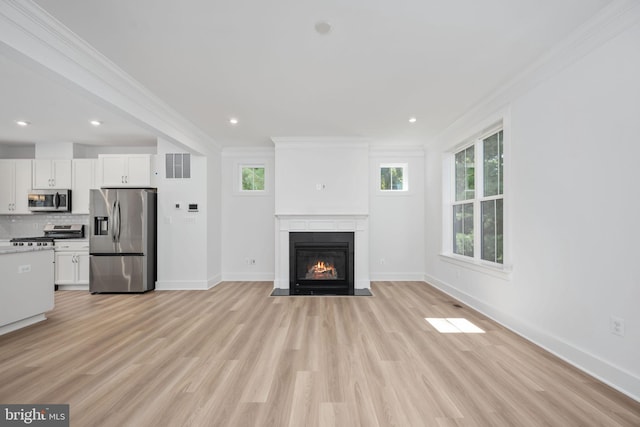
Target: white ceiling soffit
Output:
[(264, 63), (57, 112)]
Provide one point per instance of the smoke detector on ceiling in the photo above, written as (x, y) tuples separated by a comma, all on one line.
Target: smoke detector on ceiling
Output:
[(323, 27)]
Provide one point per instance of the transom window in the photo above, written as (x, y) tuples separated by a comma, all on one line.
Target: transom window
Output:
[(252, 177), (478, 204), (393, 177)]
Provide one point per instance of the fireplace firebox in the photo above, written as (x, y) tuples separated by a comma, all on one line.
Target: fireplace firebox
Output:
[(321, 263)]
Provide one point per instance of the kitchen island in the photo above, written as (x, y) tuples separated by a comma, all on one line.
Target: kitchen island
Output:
[(26, 286)]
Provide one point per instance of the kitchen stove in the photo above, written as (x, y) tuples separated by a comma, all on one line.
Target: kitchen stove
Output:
[(32, 241), (51, 233)]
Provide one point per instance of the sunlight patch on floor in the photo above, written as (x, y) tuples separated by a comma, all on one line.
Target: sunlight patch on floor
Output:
[(453, 325)]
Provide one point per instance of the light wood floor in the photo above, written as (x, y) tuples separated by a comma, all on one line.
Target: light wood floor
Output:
[(234, 356)]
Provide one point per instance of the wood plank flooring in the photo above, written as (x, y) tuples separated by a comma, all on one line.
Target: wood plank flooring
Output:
[(235, 356)]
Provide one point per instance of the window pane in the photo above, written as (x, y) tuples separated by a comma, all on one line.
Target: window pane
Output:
[(460, 176), (397, 179), (499, 233), (252, 178), (392, 178), (493, 164), (385, 178), (259, 179), (465, 174), (463, 229), (470, 169), (492, 230)]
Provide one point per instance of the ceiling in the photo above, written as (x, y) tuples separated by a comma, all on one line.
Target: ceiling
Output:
[(263, 63)]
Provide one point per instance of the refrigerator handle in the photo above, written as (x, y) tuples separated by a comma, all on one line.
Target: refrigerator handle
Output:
[(119, 222), (112, 222)]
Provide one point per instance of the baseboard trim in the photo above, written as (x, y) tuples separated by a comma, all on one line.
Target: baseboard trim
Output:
[(22, 323), (617, 378), (214, 281), (247, 277), (397, 277)]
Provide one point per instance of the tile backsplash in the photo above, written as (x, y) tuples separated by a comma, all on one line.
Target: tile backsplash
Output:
[(33, 225)]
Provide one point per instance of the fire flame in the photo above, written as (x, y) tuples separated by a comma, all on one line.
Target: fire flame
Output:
[(322, 270)]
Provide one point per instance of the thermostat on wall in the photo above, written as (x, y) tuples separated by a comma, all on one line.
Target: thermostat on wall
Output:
[(193, 207)]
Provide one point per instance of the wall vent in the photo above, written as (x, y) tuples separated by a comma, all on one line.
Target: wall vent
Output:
[(178, 165)]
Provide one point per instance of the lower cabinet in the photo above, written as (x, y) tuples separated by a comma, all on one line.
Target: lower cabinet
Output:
[(72, 265)]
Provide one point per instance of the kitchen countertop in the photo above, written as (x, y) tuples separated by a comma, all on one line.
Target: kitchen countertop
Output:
[(20, 249)]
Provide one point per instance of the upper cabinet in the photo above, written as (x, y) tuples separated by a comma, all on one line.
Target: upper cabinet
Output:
[(15, 179), (127, 170), (84, 178), (51, 173)]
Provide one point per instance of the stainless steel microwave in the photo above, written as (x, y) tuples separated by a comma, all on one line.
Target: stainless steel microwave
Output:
[(50, 201)]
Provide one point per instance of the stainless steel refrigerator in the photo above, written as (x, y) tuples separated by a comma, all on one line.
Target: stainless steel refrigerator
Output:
[(122, 240)]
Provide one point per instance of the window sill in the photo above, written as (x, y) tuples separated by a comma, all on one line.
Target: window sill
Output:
[(252, 193), (393, 193), (496, 270)]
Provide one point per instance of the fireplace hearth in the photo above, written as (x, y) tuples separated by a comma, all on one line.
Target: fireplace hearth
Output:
[(321, 263)]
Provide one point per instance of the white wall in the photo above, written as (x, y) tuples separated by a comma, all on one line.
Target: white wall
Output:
[(571, 203), (17, 151), (397, 221), (248, 219), (214, 217), (397, 218), (321, 176), (54, 150), (182, 235)]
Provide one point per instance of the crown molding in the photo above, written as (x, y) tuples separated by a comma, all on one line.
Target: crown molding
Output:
[(320, 142), (611, 21), (33, 33), (248, 151)]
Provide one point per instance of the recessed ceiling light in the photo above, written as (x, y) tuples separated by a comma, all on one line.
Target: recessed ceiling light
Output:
[(95, 122), (323, 27), (233, 121), (412, 119), (22, 123)]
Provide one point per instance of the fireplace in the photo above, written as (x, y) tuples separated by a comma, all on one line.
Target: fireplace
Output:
[(321, 263)]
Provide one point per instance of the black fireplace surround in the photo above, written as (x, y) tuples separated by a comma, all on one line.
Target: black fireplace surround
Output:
[(321, 263)]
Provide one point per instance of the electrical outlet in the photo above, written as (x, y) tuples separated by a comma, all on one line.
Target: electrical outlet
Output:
[(382, 261), (250, 261), (616, 325), (24, 269)]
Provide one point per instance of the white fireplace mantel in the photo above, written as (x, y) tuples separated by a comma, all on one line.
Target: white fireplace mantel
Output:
[(357, 223)]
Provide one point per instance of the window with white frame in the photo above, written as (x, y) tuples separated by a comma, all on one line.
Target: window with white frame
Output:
[(252, 178), (478, 199), (394, 177)]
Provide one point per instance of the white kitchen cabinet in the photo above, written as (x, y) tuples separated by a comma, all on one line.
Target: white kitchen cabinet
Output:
[(84, 178), (51, 173), (72, 264), (131, 170), (15, 185)]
